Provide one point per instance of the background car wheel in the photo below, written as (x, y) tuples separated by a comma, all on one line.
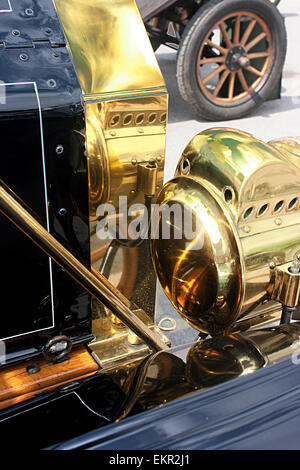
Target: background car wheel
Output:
[(231, 57)]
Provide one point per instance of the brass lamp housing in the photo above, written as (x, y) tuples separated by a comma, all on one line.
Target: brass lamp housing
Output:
[(243, 196)]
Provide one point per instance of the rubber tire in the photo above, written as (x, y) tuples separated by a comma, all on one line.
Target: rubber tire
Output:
[(203, 20)]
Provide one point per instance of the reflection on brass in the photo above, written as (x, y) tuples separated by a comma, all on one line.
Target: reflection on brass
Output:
[(268, 314), (223, 358), (159, 379), (109, 46), (167, 375), (96, 284), (243, 193), (285, 284), (114, 157), (126, 114)]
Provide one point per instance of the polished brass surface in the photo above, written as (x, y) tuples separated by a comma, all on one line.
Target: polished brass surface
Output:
[(96, 284), (168, 375), (126, 106), (289, 148), (205, 283), (147, 177), (245, 193), (115, 151), (216, 360), (285, 284), (109, 46), (266, 314)]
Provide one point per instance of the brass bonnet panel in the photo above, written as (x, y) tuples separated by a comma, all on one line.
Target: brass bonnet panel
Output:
[(109, 46)]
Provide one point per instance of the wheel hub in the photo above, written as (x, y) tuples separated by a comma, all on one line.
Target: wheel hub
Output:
[(237, 59)]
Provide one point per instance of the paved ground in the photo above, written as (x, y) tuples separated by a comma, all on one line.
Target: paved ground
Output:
[(277, 118)]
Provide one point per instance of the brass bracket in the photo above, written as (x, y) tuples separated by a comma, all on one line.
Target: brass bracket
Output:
[(147, 177), (284, 285)]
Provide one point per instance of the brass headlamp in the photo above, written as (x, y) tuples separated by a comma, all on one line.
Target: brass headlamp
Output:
[(242, 196)]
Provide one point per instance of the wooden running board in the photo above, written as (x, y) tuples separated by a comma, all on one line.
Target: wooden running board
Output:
[(17, 385)]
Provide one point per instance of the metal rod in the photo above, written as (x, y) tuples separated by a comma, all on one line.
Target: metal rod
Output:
[(95, 283), (287, 313)]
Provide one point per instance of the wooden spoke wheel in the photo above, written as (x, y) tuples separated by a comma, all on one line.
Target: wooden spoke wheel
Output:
[(231, 57)]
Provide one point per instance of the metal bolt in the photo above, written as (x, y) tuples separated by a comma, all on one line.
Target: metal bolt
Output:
[(159, 158), (59, 149), (29, 12), (278, 221), (48, 31), (33, 369), (272, 265), (23, 57), (62, 211), (51, 83), (247, 229), (16, 32), (134, 161), (141, 131), (58, 347), (244, 62), (112, 133)]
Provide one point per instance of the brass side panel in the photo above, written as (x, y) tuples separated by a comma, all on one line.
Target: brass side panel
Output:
[(120, 136), (126, 105)]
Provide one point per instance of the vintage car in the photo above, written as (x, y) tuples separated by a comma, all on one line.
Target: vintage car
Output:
[(87, 228), (228, 62)]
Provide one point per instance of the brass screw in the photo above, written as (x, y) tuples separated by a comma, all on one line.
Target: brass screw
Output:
[(247, 229), (141, 131), (272, 265), (159, 158), (112, 133), (134, 161), (278, 221)]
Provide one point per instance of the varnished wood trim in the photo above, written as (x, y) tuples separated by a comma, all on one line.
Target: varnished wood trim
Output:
[(17, 385)]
